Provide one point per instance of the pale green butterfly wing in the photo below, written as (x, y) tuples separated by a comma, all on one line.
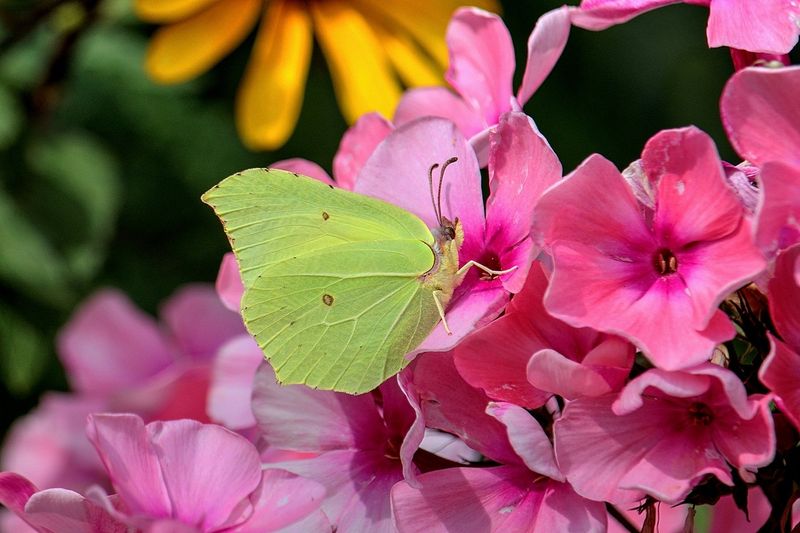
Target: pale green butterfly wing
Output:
[(332, 289), (271, 214), (343, 317)]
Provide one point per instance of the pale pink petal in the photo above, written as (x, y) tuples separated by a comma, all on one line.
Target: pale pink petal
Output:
[(304, 167), (414, 434), (229, 283), (356, 146), (63, 510), (199, 322), (779, 211), (207, 469), (761, 115), (448, 447), (295, 417), (784, 296), (693, 200), (109, 344), (133, 465), (439, 102), (744, 179), (600, 14), (232, 383), (283, 499), (527, 438), (450, 404), (780, 372), (521, 166), (397, 172), (481, 61), (49, 445), (545, 44), (768, 26), (503, 498)]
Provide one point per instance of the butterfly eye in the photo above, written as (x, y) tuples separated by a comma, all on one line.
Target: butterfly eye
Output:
[(449, 232)]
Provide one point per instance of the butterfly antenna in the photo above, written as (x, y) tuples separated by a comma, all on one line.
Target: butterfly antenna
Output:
[(433, 201), (441, 180)]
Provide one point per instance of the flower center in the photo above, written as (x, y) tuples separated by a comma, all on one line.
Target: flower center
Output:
[(700, 414), (665, 262), (492, 262)]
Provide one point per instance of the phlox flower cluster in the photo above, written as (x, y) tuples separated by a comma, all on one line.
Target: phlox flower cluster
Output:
[(640, 364)]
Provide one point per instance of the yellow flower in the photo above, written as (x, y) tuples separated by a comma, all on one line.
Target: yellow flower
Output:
[(371, 47)]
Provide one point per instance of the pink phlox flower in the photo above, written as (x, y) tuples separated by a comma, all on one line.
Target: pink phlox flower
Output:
[(481, 72), (662, 434), (780, 371), (525, 493), (360, 446), (761, 116), (177, 475), (654, 274), (762, 26), (527, 355)]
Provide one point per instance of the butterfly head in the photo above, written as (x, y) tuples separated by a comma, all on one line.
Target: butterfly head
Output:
[(448, 231)]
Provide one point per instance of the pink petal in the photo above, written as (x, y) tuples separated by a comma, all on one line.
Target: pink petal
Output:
[(295, 417), (64, 510), (199, 322), (304, 167), (726, 516), (503, 498), (761, 115), (15, 491), (450, 404), (527, 438), (208, 470), (283, 500), (600, 14), (481, 61), (779, 212), (439, 102), (413, 433), (784, 296), (693, 199), (780, 372), (521, 166), (232, 383), (397, 172), (768, 26), (109, 344), (131, 462), (356, 146), (545, 45), (229, 283), (49, 445)]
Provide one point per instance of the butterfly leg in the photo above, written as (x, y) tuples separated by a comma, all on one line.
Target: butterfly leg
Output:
[(440, 308), (487, 271)]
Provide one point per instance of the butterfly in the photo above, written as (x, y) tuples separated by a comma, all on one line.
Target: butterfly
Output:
[(339, 286)]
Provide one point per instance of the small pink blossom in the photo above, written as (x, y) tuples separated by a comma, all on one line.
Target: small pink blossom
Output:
[(762, 26), (656, 273), (662, 434), (526, 355), (482, 70)]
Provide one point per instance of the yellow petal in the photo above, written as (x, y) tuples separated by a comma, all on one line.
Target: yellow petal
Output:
[(415, 67), (362, 76), (271, 93), (168, 10), (183, 50)]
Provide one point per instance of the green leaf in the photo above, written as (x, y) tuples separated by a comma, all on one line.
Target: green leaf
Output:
[(11, 117), (23, 353)]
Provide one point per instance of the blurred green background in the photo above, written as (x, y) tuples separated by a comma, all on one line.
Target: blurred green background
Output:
[(101, 170)]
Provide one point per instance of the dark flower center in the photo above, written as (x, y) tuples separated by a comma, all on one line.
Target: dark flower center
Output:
[(492, 262), (665, 262), (700, 414)]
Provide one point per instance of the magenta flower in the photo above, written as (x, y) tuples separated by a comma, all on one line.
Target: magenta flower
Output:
[(760, 113), (662, 434), (652, 269), (763, 26), (526, 355), (526, 493), (780, 371), (482, 70), (170, 476), (362, 444)]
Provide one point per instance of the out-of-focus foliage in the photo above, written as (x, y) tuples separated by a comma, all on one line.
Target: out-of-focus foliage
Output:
[(101, 170)]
